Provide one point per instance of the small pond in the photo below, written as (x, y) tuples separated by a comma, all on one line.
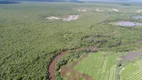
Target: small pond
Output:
[(137, 17), (128, 23)]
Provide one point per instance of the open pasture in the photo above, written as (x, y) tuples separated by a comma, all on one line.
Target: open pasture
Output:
[(132, 71), (100, 66)]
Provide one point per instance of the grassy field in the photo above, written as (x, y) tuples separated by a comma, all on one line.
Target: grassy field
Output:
[(100, 65), (132, 71), (28, 41)]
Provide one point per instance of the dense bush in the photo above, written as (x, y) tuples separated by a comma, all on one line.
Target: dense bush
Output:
[(29, 42)]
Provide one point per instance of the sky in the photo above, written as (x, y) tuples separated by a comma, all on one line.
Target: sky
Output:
[(110, 0), (79, 0)]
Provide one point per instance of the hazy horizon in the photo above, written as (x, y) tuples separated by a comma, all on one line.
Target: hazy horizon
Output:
[(82, 0)]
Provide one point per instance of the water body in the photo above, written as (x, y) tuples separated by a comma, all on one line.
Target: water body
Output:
[(128, 23), (137, 17), (8, 2)]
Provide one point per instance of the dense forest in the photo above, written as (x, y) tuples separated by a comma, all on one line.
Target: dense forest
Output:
[(30, 41)]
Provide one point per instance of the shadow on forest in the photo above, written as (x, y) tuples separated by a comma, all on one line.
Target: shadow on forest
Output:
[(8, 2)]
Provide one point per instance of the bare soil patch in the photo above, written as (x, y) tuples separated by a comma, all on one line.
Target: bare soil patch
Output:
[(110, 9), (83, 9), (99, 10), (53, 18), (139, 11), (113, 9), (71, 17)]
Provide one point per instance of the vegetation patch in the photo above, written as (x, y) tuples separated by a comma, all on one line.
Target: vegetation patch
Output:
[(100, 66), (132, 71), (29, 42), (70, 73), (69, 61)]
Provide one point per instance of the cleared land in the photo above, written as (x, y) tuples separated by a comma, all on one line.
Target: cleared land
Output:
[(100, 66), (132, 71)]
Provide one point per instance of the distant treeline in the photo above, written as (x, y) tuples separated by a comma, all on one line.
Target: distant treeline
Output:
[(8, 2), (46, 0), (78, 0)]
